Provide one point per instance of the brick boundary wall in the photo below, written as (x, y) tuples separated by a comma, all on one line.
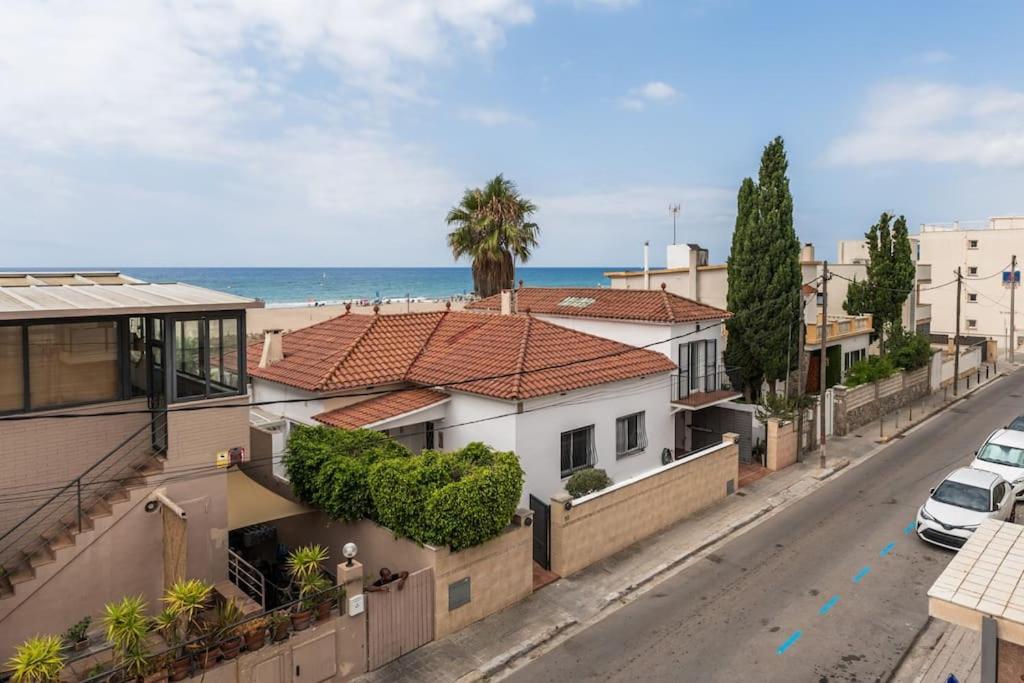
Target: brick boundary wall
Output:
[(780, 444), (600, 524), (861, 405)]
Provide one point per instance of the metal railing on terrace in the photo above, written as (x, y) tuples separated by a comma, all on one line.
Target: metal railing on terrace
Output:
[(685, 385), (66, 511)]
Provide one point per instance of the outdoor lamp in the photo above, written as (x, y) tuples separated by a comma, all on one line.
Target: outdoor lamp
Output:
[(349, 551)]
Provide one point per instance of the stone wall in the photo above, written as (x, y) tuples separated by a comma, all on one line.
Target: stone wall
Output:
[(781, 444), (862, 405), (600, 524)]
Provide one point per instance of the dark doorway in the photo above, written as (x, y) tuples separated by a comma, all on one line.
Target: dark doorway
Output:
[(541, 531)]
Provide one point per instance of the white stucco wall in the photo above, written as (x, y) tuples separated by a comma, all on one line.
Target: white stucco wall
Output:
[(539, 430), (498, 428), (299, 411)]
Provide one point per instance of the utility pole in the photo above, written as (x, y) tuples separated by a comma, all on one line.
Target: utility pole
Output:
[(800, 330), (823, 331), (1013, 286), (674, 210), (956, 339)]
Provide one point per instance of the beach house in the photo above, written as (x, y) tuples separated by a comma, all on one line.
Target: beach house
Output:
[(116, 397)]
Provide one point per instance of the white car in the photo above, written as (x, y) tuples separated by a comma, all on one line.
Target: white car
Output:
[(1003, 453), (957, 506)]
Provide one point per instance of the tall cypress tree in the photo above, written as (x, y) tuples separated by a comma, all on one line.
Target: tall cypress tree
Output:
[(890, 276), (742, 294), (778, 272)]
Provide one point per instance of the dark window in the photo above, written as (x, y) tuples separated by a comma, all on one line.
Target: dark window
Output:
[(207, 357), (73, 363), (971, 324), (137, 357), (972, 244), (630, 434), (12, 369), (189, 350), (972, 297), (972, 270), (577, 450)]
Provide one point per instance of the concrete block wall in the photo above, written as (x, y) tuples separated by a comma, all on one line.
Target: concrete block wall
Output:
[(781, 444), (600, 524)]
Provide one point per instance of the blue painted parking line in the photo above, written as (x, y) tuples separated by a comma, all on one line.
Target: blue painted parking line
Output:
[(861, 574), (829, 605), (789, 642), (910, 527), (887, 549)]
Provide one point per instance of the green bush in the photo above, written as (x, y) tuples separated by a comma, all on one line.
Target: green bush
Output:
[(457, 499), (870, 369), (328, 467), (587, 481), (908, 350)]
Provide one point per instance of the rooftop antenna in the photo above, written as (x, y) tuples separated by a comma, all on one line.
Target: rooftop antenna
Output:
[(674, 210)]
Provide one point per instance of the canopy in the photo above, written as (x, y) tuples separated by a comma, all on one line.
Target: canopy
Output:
[(251, 503)]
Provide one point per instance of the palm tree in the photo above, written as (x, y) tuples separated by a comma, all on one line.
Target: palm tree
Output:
[(492, 227)]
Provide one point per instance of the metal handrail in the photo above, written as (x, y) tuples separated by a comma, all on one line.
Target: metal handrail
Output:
[(715, 380), (77, 496), (244, 575)]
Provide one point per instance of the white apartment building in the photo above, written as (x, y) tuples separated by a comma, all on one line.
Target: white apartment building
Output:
[(982, 251)]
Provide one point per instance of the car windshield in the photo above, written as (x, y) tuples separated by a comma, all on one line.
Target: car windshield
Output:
[(962, 495), (1002, 455), (1017, 424)]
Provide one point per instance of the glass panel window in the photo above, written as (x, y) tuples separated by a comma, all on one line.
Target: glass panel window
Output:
[(137, 353), (189, 366), (12, 371), (630, 434), (577, 450), (73, 363), (224, 373)]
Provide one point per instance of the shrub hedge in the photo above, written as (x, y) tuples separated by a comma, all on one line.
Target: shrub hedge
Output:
[(870, 369), (587, 481), (329, 467), (458, 499), (908, 350)]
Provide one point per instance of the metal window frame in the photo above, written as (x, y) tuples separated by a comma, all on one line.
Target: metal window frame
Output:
[(640, 447), (590, 452), (204, 318)]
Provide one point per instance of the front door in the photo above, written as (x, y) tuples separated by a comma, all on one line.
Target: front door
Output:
[(155, 335)]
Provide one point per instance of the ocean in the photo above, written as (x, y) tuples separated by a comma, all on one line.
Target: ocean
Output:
[(300, 286)]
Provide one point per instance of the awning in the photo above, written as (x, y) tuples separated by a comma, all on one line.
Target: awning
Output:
[(250, 503), (388, 411)]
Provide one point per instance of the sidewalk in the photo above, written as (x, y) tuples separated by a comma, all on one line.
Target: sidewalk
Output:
[(940, 650), (487, 647)]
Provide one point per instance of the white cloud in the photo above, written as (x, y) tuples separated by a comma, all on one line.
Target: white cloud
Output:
[(486, 116), (934, 122), (934, 57), (653, 91)]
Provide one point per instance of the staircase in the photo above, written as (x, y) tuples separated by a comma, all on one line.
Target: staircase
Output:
[(79, 512)]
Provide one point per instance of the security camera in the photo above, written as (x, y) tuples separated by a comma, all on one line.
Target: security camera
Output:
[(159, 498), (151, 506)]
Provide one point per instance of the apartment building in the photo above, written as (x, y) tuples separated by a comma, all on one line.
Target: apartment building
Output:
[(110, 485), (982, 250)]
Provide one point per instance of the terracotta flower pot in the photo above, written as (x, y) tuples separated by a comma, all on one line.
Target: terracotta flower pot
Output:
[(179, 669), (156, 677), (301, 620), (208, 658), (229, 648), (80, 645), (323, 610), (254, 640)]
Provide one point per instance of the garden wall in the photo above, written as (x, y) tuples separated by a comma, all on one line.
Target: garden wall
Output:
[(600, 524), (861, 405), (781, 444)]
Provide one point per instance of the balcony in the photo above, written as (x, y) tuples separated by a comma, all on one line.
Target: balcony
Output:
[(703, 390), (839, 327), (924, 272)]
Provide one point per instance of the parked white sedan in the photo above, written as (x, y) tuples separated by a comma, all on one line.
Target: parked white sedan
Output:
[(1003, 453), (957, 506)]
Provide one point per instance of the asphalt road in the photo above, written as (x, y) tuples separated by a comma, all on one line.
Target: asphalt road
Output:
[(727, 617)]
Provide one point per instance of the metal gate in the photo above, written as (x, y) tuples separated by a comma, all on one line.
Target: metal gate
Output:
[(541, 531), (399, 620), (710, 423)]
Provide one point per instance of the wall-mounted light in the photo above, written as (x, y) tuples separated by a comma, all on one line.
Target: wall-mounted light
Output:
[(349, 551)]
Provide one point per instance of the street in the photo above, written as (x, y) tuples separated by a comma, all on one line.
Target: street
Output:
[(831, 589)]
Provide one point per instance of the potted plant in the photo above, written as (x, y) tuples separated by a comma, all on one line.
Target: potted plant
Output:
[(95, 674), (280, 623), (127, 628), (254, 632), (226, 618), (166, 624), (157, 669), (37, 660), (304, 565), (181, 620), (76, 637)]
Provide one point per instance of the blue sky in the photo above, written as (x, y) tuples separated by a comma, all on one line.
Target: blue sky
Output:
[(335, 133)]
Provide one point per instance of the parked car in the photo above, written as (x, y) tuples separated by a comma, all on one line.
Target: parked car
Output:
[(957, 506), (1003, 453), (1018, 423)]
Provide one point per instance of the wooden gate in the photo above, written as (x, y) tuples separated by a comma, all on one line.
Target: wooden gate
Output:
[(399, 620)]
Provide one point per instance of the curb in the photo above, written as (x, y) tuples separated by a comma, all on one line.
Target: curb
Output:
[(503, 660), (942, 408)]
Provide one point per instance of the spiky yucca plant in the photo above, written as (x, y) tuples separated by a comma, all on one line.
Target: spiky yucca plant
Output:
[(37, 660)]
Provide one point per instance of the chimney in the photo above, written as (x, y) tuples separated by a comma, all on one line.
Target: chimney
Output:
[(506, 302), (807, 253), (647, 264), (272, 350), (693, 275)]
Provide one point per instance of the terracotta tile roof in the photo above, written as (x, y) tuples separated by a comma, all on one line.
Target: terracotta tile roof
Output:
[(647, 305), (504, 356), (380, 408)]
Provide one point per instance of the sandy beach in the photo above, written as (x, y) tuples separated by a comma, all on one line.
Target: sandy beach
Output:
[(259, 319)]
